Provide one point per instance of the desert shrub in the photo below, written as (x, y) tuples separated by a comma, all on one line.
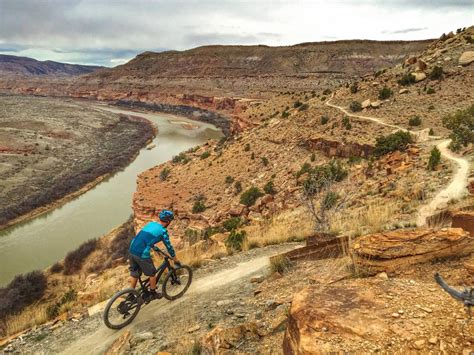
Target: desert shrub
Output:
[(385, 93), (323, 175), (205, 155), (238, 187), (431, 132), (57, 267), (265, 161), (355, 106), (74, 259), (392, 142), (303, 107), (312, 157), (406, 79), (53, 310), (327, 92), (247, 147), (414, 121), (164, 173), (436, 73), (324, 119), (354, 88), (181, 158), (22, 291), (305, 168), (122, 240), (329, 200), (430, 91), (346, 122), (236, 240), (280, 264), (232, 223), (469, 39), (229, 180), (435, 158), (199, 205), (252, 156), (251, 195), (297, 104), (285, 114), (269, 188), (461, 123)]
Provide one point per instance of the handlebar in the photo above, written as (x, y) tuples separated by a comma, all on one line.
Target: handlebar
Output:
[(166, 255), (466, 296)]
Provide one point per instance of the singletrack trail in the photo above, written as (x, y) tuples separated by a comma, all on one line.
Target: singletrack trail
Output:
[(457, 186), (154, 314)]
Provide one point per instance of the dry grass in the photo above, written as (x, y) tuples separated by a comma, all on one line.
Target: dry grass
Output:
[(194, 255), (371, 219), (294, 225), (33, 315)]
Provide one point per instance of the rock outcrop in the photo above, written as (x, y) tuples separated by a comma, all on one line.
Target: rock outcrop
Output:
[(466, 58), (392, 251), (339, 149), (464, 220)]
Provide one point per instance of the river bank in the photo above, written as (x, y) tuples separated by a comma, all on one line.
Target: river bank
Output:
[(43, 240), (53, 151)]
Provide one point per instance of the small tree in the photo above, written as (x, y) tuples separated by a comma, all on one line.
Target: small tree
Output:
[(269, 188), (392, 142), (385, 93), (354, 88), (436, 73), (414, 121), (461, 123), (407, 79), (435, 159), (346, 122), (355, 106), (250, 196)]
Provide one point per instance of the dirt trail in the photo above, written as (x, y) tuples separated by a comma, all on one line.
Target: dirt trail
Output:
[(457, 186), (101, 338)]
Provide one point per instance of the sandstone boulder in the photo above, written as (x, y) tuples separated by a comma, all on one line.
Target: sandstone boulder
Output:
[(392, 251), (421, 65), (221, 339), (419, 76), (318, 313), (403, 91), (366, 103), (466, 58), (237, 211), (375, 104), (469, 265)]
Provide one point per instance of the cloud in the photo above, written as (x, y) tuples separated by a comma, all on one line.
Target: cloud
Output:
[(106, 32), (406, 30)]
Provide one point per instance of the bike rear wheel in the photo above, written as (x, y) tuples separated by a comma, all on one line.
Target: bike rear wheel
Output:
[(177, 282), (122, 308)]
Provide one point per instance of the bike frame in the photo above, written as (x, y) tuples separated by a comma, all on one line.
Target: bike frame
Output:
[(165, 265)]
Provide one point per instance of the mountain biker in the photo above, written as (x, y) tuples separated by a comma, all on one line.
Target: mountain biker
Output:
[(140, 258)]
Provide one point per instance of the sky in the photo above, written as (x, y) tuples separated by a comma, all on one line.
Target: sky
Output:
[(111, 32)]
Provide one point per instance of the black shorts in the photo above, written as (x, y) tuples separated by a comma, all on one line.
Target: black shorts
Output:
[(139, 265)]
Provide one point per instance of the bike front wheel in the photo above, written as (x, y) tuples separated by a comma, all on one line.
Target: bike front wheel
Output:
[(122, 308), (177, 282)]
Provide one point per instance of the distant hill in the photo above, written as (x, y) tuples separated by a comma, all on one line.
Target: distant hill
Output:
[(11, 65)]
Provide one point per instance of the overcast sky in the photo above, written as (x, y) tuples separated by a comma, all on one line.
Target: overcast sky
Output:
[(111, 32)]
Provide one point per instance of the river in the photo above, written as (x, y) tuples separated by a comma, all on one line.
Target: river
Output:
[(40, 242)]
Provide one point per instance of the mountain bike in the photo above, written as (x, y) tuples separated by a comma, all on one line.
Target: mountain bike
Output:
[(466, 296), (124, 306)]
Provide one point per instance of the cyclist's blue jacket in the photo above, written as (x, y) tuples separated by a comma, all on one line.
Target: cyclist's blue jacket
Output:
[(152, 233)]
